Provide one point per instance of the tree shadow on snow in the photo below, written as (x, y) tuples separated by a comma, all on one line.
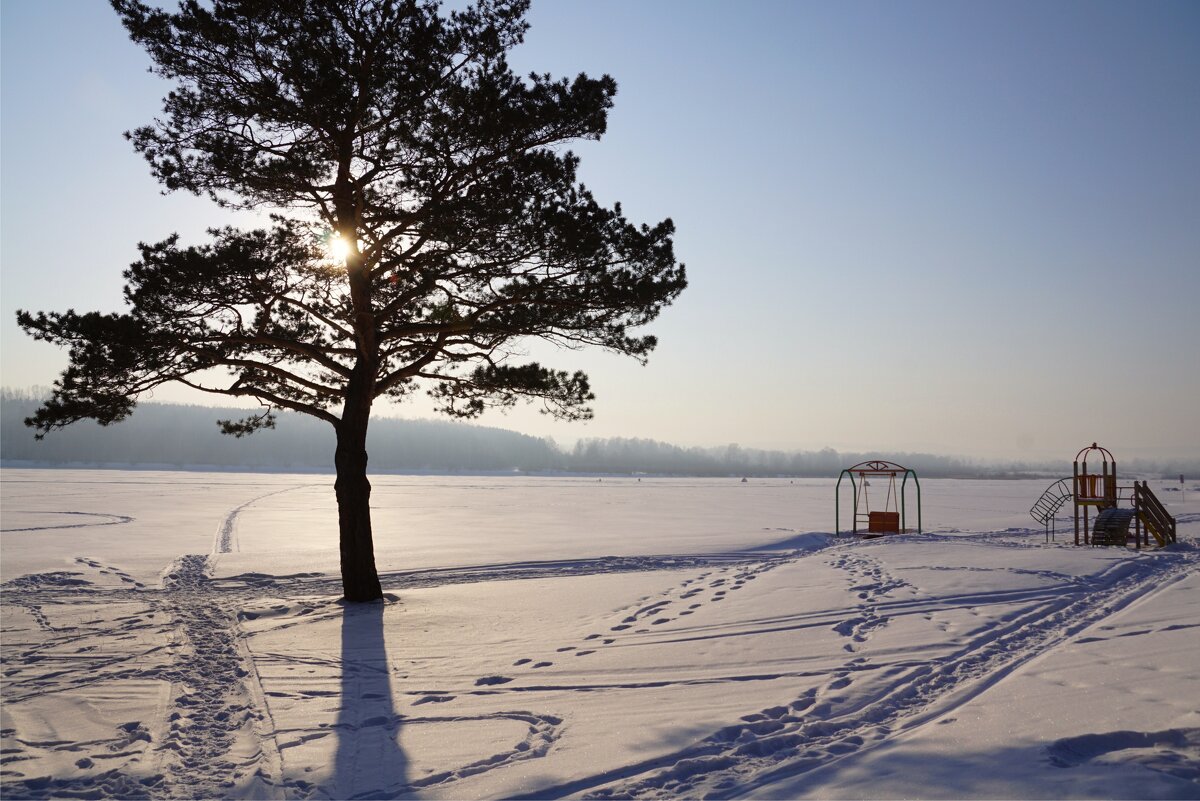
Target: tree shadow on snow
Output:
[(369, 762)]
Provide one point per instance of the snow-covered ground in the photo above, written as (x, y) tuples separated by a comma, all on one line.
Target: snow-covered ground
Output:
[(178, 635)]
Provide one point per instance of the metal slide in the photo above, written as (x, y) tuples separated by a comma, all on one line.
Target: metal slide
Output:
[(1051, 501)]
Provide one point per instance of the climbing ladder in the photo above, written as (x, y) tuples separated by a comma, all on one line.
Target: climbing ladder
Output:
[(1153, 515), (1047, 506)]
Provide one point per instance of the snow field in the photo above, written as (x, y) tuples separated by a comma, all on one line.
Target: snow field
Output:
[(573, 637)]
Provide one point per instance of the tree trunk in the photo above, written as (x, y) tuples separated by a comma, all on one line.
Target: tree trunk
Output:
[(360, 581)]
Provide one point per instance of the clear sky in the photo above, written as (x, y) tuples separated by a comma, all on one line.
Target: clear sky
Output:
[(953, 227)]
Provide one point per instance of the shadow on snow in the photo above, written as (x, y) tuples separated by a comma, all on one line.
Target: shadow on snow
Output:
[(369, 762)]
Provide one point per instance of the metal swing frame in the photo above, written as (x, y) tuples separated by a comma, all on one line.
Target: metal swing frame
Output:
[(882, 524)]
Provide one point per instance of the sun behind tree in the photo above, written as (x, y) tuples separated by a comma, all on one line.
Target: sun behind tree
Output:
[(338, 248), (394, 127)]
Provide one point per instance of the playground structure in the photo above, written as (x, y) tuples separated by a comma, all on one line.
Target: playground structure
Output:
[(892, 519), (1099, 491)]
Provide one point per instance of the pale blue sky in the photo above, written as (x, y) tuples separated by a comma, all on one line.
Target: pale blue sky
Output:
[(956, 227)]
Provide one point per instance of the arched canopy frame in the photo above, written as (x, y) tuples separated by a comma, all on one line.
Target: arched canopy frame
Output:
[(1105, 454), (876, 468), (1092, 489)]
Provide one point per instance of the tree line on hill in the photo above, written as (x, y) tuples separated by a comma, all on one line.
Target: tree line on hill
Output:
[(173, 435), (177, 436)]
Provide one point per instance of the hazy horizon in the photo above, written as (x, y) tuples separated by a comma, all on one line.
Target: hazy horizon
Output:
[(187, 435), (568, 435), (961, 229)]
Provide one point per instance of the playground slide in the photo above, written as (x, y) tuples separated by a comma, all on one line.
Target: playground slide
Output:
[(1053, 499)]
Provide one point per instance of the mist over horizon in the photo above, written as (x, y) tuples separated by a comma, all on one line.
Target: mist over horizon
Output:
[(182, 436)]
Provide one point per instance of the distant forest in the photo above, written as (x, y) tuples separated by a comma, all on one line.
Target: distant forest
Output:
[(174, 436)]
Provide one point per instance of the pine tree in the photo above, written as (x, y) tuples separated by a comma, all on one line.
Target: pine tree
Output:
[(459, 229)]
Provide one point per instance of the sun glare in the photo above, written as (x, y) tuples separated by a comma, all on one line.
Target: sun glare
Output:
[(338, 248)]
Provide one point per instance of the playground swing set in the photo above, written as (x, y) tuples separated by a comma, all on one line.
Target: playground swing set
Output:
[(893, 518), (1116, 507)]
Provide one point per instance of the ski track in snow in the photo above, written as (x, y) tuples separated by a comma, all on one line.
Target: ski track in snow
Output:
[(225, 540), (105, 520), (179, 634), (213, 704), (824, 725), (214, 736), (209, 741)]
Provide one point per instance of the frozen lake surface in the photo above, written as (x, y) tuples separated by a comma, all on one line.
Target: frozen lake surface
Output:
[(175, 635)]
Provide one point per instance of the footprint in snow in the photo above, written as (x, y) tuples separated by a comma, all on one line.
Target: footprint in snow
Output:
[(488, 680), (433, 699)]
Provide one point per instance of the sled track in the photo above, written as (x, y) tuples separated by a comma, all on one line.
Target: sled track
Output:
[(790, 740), (225, 540), (105, 520)]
